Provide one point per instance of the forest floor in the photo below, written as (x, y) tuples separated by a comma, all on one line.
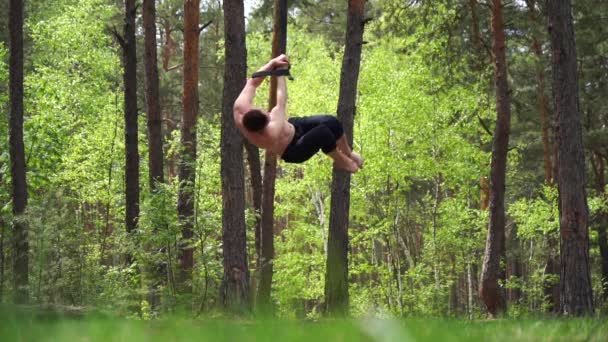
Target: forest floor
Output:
[(91, 329)]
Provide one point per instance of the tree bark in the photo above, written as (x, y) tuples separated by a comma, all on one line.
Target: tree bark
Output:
[(551, 267), (131, 141), (187, 164), (235, 285), (491, 293), (575, 282), (155, 137), (255, 172), (542, 102), (17, 153), (336, 274), (279, 46)]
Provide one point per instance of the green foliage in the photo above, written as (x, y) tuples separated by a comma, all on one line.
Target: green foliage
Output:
[(538, 216), (424, 109)]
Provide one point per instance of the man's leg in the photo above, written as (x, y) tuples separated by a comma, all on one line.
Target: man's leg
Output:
[(323, 136), (342, 162), (321, 133), (338, 131), (343, 146), (319, 137)]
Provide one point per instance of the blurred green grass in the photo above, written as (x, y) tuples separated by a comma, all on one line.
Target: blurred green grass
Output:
[(23, 328)]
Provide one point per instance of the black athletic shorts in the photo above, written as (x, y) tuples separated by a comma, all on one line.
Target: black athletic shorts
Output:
[(313, 133)]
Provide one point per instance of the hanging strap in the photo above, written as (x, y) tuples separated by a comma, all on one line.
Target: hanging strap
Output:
[(275, 72)]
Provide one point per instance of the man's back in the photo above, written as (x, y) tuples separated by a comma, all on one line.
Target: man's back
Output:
[(274, 137)]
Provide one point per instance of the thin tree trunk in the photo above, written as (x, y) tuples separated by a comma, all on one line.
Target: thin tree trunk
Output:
[(235, 285), (336, 274), (279, 46), (436, 201), (187, 164), (490, 291), (2, 257), (575, 281), (168, 50), (17, 153), (541, 98), (155, 136), (469, 291), (131, 139), (551, 290), (255, 172), (107, 228)]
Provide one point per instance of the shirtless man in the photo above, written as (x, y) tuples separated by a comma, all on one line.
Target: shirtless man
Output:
[(296, 140)]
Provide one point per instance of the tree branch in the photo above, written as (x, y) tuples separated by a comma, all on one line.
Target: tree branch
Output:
[(485, 127), (119, 38), (175, 67), (205, 26)]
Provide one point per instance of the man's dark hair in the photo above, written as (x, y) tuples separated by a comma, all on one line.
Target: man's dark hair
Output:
[(255, 120)]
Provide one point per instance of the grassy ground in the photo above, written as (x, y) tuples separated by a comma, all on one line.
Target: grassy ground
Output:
[(28, 329)]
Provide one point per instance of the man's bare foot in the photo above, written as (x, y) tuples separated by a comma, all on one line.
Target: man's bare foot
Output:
[(349, 166), (357, 159)]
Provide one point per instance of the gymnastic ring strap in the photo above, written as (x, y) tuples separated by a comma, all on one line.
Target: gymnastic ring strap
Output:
[(275, 72)]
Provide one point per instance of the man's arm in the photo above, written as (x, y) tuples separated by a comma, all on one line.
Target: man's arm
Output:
[(245, 100), (278, 112)]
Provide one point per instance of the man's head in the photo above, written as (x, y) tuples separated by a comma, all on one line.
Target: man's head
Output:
[(255, 120)]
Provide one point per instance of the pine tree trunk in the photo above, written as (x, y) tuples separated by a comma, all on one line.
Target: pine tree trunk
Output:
[(17, 153), (336, 274), (492, 295), (155, 137), (255, 172), (235, 285), (279, 46), (131, 141), (551, 267), (575, 282), (187, 163), (541, 98)]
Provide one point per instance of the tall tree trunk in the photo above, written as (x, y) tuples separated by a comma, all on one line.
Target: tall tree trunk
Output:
[(552, 265), (255, 172), (235, 285), (187, 164), (336, 272), (279, 46), (575, 282), (131, 141), (541, 98), (17, 153), (155, 136), (490, 291)]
